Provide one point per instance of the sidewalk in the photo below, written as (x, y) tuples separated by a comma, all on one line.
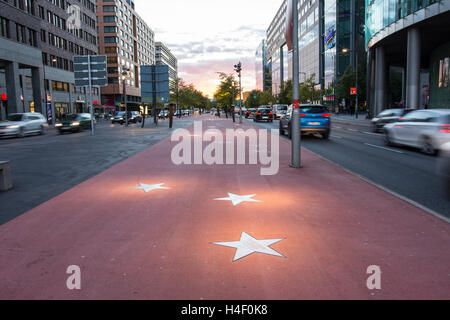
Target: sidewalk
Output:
[(164, 244)]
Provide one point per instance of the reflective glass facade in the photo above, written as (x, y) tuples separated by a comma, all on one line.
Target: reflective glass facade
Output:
[(382, 13)]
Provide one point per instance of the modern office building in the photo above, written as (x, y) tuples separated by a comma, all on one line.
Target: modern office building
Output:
[(263, 68), (410, 38), (164, 56), (326, 27), (128, 42), (38, 40)]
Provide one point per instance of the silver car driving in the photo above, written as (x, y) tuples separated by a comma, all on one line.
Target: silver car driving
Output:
[(22, 124), (427, 130)]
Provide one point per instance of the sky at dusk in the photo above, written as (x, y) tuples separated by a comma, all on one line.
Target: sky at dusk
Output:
[(209, 36)]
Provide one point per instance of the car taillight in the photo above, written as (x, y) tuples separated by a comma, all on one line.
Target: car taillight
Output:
[(326, 115), (303, 115), (270, 114), (401, 118), (445, 128), (259, 113)]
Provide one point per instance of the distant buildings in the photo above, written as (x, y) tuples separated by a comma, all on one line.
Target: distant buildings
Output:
[(164, 56), (325, 28), (263, 68), (128, 42)]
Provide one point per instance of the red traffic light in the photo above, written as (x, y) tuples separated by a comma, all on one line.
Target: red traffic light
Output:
[(95, 102), (4, 97)]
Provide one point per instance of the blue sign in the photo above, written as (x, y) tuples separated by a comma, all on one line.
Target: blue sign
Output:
[(49, 111), (329, 39), (155, 83)]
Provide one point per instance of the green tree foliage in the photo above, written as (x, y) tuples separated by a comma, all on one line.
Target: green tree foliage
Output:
[(187, 95), (224, 93), (348, 80)]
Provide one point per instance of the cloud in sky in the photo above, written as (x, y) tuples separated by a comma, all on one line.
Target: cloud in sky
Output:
[(209, 36)]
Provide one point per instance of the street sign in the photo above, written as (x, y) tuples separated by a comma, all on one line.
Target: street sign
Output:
[(95, 66), (49, 97), (90, 71), (353, 91), (155, 83), (4, 97)]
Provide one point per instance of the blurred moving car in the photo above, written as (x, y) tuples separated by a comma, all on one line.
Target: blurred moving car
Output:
[(388, 116), (119, 118), (315, 119), (250, 113), (22, 124), (279, 110), (263, 115), (186, 112), (444, 167), (134, 117), (74, 123), (427, 130)]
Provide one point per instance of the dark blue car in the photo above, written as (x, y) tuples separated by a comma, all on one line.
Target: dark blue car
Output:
[(315, 119)]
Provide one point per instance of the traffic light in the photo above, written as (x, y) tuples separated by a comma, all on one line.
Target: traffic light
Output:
[(238, 67)]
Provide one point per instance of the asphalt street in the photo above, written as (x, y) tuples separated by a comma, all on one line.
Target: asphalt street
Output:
[(45, 166), (405, 171)]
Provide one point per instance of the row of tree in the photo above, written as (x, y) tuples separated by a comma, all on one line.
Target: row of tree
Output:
[(186, 96)]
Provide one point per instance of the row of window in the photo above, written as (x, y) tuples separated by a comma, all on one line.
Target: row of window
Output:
[(22, 34)]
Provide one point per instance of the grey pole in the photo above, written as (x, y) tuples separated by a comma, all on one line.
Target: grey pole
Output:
[(357, 92), (295, 121), (90, 97), (240, 96)]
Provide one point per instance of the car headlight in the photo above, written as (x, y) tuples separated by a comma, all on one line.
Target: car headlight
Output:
[(58, 125), (121, 119), (12, 127), (75, 124)]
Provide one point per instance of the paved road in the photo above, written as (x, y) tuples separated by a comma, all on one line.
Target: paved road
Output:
[(46, 166), (403, 170), (297, 235)]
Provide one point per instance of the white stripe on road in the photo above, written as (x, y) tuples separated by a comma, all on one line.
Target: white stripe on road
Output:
[(379, 147), (352, 130), (337, 137), (372, 133)]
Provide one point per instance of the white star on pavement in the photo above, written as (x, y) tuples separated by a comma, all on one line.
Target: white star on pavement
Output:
[(236, 200), (147, 187), (248, 245)]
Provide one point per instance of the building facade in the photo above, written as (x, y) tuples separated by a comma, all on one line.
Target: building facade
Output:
[(326, 27), (128, 42), (38, 40), (263, 68), (165, 57), (408, 41)]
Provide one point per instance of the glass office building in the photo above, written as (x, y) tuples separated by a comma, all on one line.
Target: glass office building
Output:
[(412, 38)]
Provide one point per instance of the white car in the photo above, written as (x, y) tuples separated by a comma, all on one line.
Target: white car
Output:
[(444, 167), (22, 124), (427, 130), (279, 110)]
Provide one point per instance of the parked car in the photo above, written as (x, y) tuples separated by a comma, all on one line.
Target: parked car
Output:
[(388, 116), (444, 167), (186, 112), (249, 114), (315, 119), (427, 130), (74, 123), (279, 110), (263, 115), (22, 124)]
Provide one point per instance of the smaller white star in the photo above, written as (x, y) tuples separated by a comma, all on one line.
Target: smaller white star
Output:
[(236, 199), (150, 187), (249, 245)]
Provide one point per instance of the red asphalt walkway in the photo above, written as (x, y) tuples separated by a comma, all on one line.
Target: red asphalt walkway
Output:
[(131, 244)]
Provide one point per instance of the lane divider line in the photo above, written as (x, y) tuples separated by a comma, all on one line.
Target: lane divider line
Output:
[(383, 148)]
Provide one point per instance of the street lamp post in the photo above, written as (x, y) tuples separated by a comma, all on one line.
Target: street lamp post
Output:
[(296, 161), (238, 69), (124, 80), (356, 71)]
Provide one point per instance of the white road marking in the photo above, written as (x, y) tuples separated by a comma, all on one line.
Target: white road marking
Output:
[(372, 133), (337, 137), (352, 130), (249, 245), (387, 149)]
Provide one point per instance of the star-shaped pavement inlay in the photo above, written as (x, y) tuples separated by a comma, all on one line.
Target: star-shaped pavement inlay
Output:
[(236, 199), (150, 187), (249, 245)]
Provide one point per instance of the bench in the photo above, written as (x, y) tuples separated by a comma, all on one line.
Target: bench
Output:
[(5, 176)]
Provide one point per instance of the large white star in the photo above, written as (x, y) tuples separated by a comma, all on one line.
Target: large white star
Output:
[(147, 187), (248, 245), (236, 199)]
